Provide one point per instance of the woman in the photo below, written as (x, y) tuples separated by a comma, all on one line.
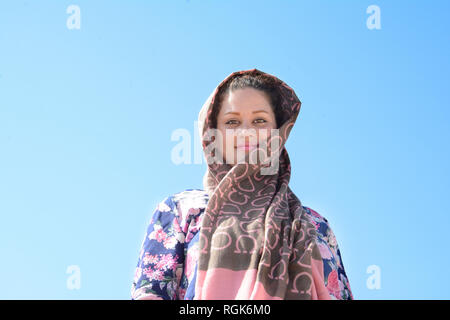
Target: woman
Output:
[(246, 235)]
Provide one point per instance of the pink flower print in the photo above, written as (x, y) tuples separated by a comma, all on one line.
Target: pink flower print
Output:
[(189, 236), (166, 262), (190, 212), (153, 274), (162, 263), (317, 225), (137, 274), (315, 213), (193, 211), (331, 238), (325, 251), (170, 262), (333, 284), (185, 227), (170, 242), (158, 234), (176, 225), (147, 271), (150, 259)]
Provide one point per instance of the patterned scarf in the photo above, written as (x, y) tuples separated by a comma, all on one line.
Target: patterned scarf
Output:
[(256, 240)]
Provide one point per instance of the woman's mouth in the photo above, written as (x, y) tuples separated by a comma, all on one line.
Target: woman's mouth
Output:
[(247, 147)]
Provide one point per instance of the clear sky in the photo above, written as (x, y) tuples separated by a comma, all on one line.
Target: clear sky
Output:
[(87, 115)]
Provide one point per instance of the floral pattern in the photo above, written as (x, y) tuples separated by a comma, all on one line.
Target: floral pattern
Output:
[(167, 263)]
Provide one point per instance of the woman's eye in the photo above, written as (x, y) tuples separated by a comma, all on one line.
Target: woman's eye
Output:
[(232, 122)]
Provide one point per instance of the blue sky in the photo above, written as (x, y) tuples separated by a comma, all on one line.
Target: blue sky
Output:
[(86, 117)]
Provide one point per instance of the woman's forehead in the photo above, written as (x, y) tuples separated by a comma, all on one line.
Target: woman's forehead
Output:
[(245, 100)]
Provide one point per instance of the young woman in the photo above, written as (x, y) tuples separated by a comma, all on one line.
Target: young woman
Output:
[(245, 235)]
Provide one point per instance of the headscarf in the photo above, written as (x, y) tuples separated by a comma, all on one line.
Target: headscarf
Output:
[(256, 240)]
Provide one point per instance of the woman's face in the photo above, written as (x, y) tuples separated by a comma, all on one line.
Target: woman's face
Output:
[(244, 115)]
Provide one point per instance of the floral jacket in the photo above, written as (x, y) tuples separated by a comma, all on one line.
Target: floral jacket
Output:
[(167, 264)]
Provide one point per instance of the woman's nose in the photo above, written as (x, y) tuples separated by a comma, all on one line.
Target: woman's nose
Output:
[(246, 131), (246, 134)]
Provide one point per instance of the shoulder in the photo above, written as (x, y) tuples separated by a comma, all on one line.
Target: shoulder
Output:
[(315, 214), (186, 204), (191, 197), (321, 223), (325, 233), (187, 197), (189, 201)]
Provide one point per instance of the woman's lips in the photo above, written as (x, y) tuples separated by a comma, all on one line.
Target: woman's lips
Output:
[(247, 147)]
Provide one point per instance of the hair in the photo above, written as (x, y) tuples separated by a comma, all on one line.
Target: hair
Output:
[(255, 80)]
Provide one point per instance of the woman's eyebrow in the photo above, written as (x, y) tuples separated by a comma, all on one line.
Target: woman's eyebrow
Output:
[(257, 111)]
